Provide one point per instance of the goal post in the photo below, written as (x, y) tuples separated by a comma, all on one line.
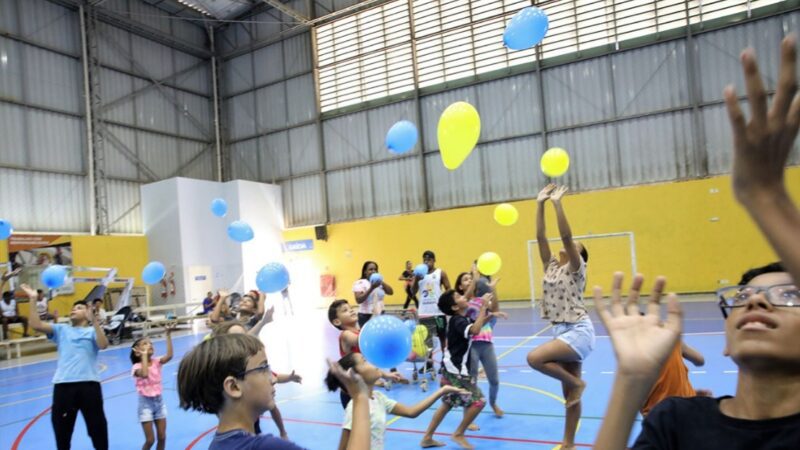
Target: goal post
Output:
[(608, 253)]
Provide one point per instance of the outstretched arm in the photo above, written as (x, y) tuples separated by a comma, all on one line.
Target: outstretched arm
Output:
[(265, 319), (99, 333), (169, 328), (541, 235), (692, 355), (641, 345), (33, 316), (761, 152), (565, 231), (216, 313), (415, 410)]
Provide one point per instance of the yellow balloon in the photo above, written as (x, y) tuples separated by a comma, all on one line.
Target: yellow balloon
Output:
[(418, 340), (555, 162), (458, 132), (506, 214), (489, 263)]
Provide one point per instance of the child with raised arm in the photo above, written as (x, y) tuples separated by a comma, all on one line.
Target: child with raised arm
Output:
[(379, 404), (345, 318), (235, 327), (762, 321), (76, 383), (456, 370), (229, 376), (562, 304), (146, 371)]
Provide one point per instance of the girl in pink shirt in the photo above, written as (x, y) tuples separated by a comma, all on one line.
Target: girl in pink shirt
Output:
[(146, 371)]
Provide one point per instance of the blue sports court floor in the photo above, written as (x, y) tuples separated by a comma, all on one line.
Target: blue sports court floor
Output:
[(532, 402)]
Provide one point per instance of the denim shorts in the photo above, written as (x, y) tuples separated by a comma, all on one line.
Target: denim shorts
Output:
[(578, 335), (152, 408)]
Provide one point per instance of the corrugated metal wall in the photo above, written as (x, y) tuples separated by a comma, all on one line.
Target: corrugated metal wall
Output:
[(627, 118), (635, 116), (269, 106), (154, 132)]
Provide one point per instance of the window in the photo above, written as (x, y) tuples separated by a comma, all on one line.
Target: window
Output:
[(365, 56), (368, 55)]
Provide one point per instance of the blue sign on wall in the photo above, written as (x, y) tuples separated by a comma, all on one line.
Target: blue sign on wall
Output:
[(298, 246)]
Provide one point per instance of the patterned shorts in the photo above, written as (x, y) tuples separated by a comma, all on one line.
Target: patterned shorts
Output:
[(474, 398)]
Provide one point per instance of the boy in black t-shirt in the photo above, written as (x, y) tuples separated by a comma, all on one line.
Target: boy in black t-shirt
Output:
[(762, 313), (456, 367)]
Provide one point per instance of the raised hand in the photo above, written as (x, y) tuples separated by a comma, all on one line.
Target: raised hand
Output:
[(268, 315), (29, 291), (762, 145), (641, 343), (558, 193), (295, 378), (544, 194), (169, 327), (350, 379), (454, 390)]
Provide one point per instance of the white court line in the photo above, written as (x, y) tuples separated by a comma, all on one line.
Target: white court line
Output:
[(699, 371), (607, 373), (119, 347), (117, 377), (730, 371), (703, 333)]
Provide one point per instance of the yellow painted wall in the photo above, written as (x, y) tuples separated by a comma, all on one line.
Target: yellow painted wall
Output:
[(127, 253), (693, 232)]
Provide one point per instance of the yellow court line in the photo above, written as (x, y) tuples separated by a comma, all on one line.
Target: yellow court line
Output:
[(546, 393), (505, 353)]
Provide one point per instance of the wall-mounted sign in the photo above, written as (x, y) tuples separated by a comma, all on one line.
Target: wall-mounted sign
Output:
[(298, 246)]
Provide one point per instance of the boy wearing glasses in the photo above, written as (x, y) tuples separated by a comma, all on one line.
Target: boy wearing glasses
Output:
[(229, 376), (762, 318)]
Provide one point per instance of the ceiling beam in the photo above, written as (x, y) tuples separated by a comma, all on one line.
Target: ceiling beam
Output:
[(277, 4), (138, 28)]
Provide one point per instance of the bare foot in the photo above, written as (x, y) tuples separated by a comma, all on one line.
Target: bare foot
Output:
[(429, 442), (575, 396), (567, 447), (473, 427), (497, 411), (462, 441)]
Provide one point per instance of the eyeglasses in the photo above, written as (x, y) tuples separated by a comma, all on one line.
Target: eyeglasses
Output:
[(262, 368), (786, 295)]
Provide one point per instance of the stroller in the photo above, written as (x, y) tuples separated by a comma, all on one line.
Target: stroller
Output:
[(116, 330), (420, 351)]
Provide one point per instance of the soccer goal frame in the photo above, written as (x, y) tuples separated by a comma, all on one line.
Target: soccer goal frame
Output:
[(533, 252)]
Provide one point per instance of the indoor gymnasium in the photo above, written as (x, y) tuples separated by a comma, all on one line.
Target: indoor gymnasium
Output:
[(399, 224)]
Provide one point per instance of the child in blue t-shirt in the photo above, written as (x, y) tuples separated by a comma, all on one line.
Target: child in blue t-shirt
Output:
[(76, 383)]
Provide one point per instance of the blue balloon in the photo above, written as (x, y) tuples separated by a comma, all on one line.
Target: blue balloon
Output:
[(240, 231), (5, 229), (153, 272), (375, 278), (219, 207), (385, 341), (272, 278), (421, 270), (54, 276), (401, 137), (526, 29), (411, 325)]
